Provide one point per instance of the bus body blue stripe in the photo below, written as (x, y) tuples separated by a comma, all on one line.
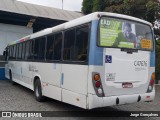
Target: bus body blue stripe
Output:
[(152, 59), (152, 55), (62, 78), (96, 53)]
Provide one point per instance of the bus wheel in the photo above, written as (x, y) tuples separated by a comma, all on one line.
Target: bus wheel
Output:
[(38, 91), (10, 78)]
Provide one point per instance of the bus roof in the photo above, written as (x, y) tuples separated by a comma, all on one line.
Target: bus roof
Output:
[(76, 22)]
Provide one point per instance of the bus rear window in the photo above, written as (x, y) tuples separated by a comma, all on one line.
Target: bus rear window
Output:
[(119, 33)]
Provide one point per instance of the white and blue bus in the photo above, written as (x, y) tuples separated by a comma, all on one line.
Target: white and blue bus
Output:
[(101, 59)]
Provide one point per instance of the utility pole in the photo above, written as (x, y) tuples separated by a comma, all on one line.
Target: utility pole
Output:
[(62, 4)]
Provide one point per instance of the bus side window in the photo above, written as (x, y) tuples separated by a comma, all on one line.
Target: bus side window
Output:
[(50, 47), (69, 41), (39, 48), (82, 35), (27, 50), (23, 50), (7, 54), (20, 51), (57, 46), (17, 47), (14, 52), (36, 47), (31, 43), (9, 50), (11, 53), (41, 51)]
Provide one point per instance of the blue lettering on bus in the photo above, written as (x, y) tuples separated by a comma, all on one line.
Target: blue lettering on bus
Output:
[(62, 78)]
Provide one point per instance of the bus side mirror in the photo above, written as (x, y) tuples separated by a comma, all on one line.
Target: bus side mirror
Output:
[(4, 53)]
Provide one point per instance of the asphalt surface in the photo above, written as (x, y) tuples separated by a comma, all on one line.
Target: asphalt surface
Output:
[(19, 98)]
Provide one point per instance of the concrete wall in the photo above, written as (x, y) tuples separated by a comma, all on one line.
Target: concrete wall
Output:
[(9, 33)]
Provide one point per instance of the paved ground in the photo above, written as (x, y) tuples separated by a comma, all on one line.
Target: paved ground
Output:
[(18, 98)]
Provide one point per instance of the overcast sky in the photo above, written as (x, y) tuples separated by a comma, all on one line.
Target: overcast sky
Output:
[(72, 5)]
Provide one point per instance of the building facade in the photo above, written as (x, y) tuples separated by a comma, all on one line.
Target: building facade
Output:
[(18, 19)]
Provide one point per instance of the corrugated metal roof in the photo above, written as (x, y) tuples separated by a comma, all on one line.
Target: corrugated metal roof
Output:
[(37, 10)]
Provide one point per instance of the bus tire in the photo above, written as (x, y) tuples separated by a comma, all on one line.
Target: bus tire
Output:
[(10, 78), (38, 91)]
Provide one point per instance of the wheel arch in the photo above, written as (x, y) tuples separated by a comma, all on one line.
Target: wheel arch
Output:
[(40, 97), (36, 77)]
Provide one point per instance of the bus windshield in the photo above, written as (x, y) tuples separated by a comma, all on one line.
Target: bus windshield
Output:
[(120, 33)]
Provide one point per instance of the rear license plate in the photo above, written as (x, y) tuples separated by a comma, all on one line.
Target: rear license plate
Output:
[(127, 85)]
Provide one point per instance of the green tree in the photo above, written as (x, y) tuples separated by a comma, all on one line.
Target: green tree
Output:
[(87, 6), (116, 6), (158, 60), (99, 5), (145, 9), (152, 10)]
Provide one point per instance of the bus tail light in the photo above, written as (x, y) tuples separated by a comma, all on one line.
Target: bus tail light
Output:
[(153, 76), (96, 77), (97, 84), (151, 83)]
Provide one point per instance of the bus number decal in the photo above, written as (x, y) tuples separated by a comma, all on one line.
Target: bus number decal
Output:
[(110, 76)]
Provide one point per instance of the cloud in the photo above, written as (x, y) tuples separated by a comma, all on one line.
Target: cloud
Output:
[(74, 5)]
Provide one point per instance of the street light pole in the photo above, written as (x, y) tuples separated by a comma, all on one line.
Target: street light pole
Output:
[(62, 4)]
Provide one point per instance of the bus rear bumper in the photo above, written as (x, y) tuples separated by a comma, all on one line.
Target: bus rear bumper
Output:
[(95, 101)]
